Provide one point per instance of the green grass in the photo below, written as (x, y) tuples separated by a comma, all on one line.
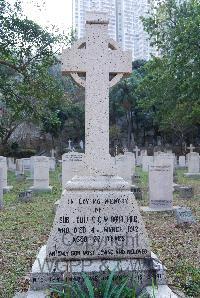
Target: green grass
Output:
[(24, 228)]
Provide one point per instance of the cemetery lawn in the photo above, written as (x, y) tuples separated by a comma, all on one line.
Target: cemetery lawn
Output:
[(24, 228)]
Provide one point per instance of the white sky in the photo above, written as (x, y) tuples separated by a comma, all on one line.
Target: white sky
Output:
[(53, 12)]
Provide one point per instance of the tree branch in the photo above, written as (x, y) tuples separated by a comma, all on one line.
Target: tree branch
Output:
[(10, 65)]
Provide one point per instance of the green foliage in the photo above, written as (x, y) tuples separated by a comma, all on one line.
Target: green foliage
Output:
[(27, 51), (189, 277), (108, 289), (124, 101), (171, 86)]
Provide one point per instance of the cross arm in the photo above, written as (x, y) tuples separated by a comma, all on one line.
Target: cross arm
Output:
[(120, 62), (74, 58)]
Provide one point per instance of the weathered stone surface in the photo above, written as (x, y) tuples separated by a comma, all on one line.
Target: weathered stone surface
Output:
[(98, 56), (140, 271), (93, 215), (162, 291), (164, 159), (160, 187), (184, 215)]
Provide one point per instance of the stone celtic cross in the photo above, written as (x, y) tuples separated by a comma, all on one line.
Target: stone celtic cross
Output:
[(96, 63)]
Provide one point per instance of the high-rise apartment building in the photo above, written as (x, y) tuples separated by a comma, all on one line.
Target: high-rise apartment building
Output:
[(125, 24)]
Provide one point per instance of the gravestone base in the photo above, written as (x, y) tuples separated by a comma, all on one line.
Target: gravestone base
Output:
[(149, 209), (192, 175), (162, 291), (45, 271), (38, 190), (29, 179), (7, 189)]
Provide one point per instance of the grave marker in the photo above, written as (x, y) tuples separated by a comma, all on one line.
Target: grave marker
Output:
[(193, 165), (3, 165), (182, 161), (26, 196), (41, 174), (98, 219), (184, 215), (72, 165)]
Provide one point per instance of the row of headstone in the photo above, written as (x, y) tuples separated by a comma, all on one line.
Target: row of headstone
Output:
[(37, 166), (73, 165)]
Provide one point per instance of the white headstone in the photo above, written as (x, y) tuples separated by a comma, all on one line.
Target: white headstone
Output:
[(182, 161), (3, 165), (11, 164), (26, 164), (19, 166), (147, 161), (160, 187), (52, 163), (164, 159), (125, 166), (193, 163), (72, 165), (41, 174)]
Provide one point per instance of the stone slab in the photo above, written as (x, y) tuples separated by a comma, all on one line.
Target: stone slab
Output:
[(38, 190), (192, 175), (94, 214), (160, 187), (45, 272), (184, 215), (148, 209), (25, 196), (161, 291)]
